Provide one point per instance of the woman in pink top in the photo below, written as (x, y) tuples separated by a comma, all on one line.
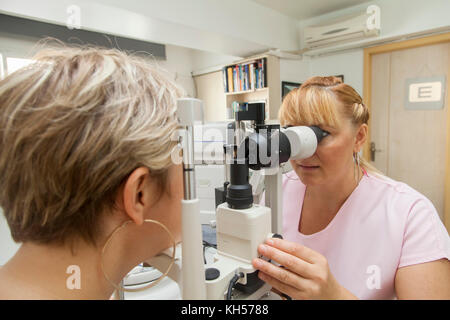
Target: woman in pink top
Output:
[(350, 232)]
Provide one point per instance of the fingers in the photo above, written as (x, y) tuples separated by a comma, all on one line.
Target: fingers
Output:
[(304, 272), (289, 261), (295, 249), (282, 275), (280, 286)]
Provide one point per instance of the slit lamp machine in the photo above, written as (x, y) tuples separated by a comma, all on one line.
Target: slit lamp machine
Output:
[(241, 225)]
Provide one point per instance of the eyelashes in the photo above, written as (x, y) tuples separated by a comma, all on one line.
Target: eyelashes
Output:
[(325, 133)]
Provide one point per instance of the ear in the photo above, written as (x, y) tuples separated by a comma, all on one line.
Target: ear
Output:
[(361, 137), (135, 195)]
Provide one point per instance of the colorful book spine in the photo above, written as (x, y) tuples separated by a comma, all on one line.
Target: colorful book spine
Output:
[(260, 83), (252, 76), (230, 79), (244, 86), (247, 80), (235, 82), (241, 84), (264, 72), (241, 87), (242, 77), (236, 76)]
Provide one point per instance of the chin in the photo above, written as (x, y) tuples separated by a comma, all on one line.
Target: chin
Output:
[(307, 178), (308, 181)]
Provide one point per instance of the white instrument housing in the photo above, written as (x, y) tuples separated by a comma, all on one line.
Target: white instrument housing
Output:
[(303, 142)]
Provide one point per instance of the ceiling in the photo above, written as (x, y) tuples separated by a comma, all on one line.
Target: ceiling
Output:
[(304, 9)]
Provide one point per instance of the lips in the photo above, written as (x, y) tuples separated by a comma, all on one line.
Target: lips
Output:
[(307, 166)]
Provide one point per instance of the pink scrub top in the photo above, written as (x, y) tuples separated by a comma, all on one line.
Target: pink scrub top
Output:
[(382, 226)]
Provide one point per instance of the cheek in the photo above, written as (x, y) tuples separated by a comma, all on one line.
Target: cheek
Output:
[(335, 153), (176, 183), (168, 209), (174, 201)]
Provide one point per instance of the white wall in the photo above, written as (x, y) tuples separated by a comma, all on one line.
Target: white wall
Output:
[(350, 64), (234, 27), (295, 70), (239, 19), (7, 246), (179, 63), (205, 60)]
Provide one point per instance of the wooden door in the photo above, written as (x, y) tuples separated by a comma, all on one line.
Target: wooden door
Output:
[(410, 143)]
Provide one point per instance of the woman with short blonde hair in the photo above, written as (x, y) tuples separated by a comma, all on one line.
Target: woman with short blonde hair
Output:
[(351, 232), (86, 136)]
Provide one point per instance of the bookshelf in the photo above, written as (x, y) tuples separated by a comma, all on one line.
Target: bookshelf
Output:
[(217, 101), (245, 91), (269, 90)]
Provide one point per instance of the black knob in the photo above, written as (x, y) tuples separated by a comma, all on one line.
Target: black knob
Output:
[(212, 273)]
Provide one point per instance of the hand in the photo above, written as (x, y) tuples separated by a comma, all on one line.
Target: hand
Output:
[(304, 274)]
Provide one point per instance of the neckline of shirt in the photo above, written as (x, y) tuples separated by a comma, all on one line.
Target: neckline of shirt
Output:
[(335, 218)]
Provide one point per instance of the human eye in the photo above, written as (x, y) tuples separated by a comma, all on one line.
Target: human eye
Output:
[(325, 131)]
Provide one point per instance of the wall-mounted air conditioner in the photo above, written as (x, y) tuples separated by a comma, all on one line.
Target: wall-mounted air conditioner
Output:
[(350, 28)]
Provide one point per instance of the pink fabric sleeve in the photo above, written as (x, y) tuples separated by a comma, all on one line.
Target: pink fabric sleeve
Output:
[(425, 238)]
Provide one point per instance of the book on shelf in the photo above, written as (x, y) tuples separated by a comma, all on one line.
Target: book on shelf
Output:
[(247, 76), (251, 77), (241, 79), (229, 80)]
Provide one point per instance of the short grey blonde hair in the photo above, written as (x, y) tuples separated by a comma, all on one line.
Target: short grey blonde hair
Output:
[(73, 126)]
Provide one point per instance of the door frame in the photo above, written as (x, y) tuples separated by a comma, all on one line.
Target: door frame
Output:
[(367, 88)]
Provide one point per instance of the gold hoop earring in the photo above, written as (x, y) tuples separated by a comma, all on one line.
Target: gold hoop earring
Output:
[(154, 283)]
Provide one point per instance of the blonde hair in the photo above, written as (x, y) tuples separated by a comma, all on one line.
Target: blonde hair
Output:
[(74, 125), (316, 103)]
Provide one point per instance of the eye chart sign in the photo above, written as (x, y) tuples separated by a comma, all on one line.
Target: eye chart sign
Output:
[(425, 93)]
